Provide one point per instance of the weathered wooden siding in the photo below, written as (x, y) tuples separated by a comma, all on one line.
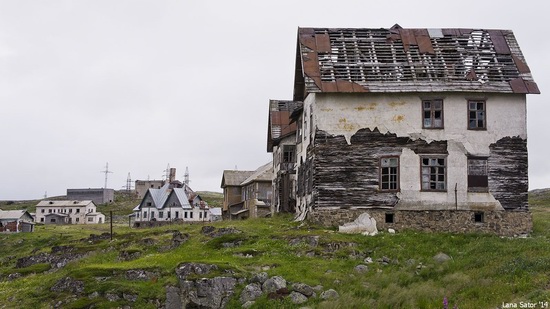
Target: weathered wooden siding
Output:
[(508, 179), (347, 175)]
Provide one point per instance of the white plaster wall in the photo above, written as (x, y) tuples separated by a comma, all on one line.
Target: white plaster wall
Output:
[(401, 114)]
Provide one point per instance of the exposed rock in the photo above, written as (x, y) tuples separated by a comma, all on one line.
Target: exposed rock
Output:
[(207, 229), (364, 224), (173, 298), (130, 297), (335, 246), (391, 231), (112, 297), (368, 260), (128, 255), (178, 238), (297, 298), (279, 294), (232, 244), (259, 277), (93, 295), (55, 260), (329, 295), (68, 284), (303, 288), (441, 257), (312, 241), (204, 292), (207, 293), (248, 304), (14, 276), (274, 284), (140, 274), (361, 268), (251, 292), (184, 270), (310, 254), (147, 242), (62, 249)]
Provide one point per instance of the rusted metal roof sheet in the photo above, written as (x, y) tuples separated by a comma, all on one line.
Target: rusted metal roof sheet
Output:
[(410, 60), (279, 122)]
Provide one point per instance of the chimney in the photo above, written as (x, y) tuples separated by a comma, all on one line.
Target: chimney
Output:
[(172, 174)]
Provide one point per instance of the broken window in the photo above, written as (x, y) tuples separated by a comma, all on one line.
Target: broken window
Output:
[(389, 173), (289, 154), (161, 214), (478, 179), (434, 173), (477, 117), (432, 114)]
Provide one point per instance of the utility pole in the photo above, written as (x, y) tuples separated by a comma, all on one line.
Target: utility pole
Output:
[(186, 176), (107, 172), (128, 184)]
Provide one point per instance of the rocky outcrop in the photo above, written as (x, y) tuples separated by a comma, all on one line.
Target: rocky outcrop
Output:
[(196, 292), (213, 232), (58, 258), (68, 284)]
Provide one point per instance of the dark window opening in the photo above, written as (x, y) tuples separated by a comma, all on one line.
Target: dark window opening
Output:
[(478, 179), (289, 154), (434, 174), (389, 173), (432, 114), (389, 218), (479, 217), (477, 117)]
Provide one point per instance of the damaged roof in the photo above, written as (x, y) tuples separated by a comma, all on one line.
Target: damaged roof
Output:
[(279, 124), (234, 177), (409, 60)]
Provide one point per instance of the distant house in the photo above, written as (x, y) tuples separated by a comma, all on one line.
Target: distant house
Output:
[(171, 204), (97, 195), (68, 212), (247, 193), (420, 128), (16, 221), (216, 214)]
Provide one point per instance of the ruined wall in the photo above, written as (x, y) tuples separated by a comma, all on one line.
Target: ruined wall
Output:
[(505, 223), (352, 131)]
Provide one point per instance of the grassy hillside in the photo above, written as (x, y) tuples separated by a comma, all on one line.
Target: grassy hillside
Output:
[(484, 271)]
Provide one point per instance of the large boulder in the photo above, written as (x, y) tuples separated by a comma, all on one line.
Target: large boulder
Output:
[(274, 284), (364, 224), (251, 292)]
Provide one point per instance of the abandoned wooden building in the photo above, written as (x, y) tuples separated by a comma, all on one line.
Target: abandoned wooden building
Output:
[(16, 221), (422, 128), (247, 194)]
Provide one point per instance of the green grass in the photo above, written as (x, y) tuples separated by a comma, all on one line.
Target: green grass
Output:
[(484, 272)]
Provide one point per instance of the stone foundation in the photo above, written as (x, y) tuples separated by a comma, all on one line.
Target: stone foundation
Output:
[(504, 223)]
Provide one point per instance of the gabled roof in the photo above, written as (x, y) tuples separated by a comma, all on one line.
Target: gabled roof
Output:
[(234, 177), (159, 196), (409, 60), (279, 124), (64, 203), (12, 214), (263, 173), (182, 197)]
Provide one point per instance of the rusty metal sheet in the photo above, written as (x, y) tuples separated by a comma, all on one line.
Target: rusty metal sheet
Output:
[(471, 75), (323, 43), (532, 87), (344, 85), (280, 117), (359, 88), (311, 64), (520, 65), (424, 43), (518, 86), (465, 31), (329, 87), (499, 42), (408, 38), (307, 37)]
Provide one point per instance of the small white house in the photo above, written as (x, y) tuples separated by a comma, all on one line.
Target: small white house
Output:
[(68, 212), (170, 204)]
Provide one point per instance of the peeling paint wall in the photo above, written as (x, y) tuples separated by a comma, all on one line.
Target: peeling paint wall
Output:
[(352, 131)]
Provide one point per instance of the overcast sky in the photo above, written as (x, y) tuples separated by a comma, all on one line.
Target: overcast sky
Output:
[(144, 84)]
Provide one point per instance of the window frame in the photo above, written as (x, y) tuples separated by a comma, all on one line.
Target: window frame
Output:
[(381, 175), (432, 114), (433, 157), (484, 111), (471, 178)]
